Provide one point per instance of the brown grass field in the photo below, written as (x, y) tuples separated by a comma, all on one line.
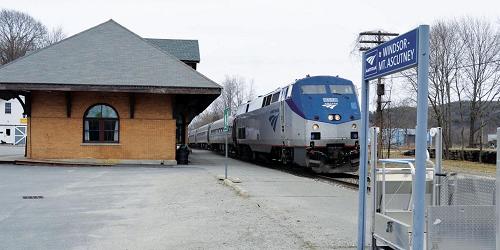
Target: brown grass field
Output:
[(466, 167)]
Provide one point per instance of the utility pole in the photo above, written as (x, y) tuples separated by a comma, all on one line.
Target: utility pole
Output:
[(376, 38)]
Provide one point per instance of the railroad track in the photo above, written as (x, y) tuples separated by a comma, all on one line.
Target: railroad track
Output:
[(345, 179)]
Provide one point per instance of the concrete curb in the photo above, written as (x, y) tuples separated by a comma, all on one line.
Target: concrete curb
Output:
[(111, 162), (240, 191), (60, 163), (87, 162), (231, 178)]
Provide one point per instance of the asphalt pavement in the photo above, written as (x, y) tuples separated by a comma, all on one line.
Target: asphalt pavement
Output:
[(9, 150), (182, 207)]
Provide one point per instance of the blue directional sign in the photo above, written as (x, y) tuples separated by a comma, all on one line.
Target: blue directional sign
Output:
[(226, 122), (395, 55)]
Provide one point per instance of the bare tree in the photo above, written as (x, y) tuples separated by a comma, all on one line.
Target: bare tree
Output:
[(53, 36), (236, 91), (20, 33), (480, 70), (444, 63), (445, 52), (459, 89)]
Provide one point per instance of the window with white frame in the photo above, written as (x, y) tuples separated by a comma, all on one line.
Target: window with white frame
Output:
[(8, 108)]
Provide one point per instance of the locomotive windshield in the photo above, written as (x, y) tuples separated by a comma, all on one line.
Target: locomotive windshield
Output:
[(313, 89), (341, 89), (321, 89)]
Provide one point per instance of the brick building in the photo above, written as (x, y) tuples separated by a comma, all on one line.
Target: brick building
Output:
[(106, 93)]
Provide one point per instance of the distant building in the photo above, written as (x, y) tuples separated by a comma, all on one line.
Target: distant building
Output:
[(405, 137), (107, 93), (400, 136), (492, 140), (12, 122), (185, 50)]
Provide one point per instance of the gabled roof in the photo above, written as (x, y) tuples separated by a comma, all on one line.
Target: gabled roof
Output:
[(107, 55), (184, 50)]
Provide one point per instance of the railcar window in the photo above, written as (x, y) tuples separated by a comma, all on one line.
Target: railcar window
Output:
[(275, 98), (266, 101), (313, 89), (341, 89), (284, 92), (241, 133)]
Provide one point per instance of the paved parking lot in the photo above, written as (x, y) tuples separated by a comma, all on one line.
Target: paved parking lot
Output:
[(183, 207), (8, 150)]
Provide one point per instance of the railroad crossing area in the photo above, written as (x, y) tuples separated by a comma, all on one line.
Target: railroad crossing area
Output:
[(174, 207)]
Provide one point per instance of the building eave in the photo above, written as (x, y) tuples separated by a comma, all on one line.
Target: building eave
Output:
[(108, 88)]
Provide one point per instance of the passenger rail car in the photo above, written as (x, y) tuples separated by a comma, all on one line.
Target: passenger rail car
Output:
[(312, 123), (217, 136), (201, 136)]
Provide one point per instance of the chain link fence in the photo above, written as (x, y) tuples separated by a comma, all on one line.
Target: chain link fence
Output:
[(465, 215)]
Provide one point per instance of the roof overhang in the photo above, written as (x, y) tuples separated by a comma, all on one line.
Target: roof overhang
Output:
[(108, 88)]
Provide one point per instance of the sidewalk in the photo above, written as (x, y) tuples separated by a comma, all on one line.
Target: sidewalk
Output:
[(10, 153), (322, 214)]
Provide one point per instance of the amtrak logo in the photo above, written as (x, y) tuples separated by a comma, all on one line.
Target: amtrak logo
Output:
[(330, 103), (273, 119), (370, 59), (371, 62)]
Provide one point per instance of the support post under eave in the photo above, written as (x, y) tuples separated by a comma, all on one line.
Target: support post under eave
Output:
[(27, 112), (132, 105), (26, 104), (68, 104)]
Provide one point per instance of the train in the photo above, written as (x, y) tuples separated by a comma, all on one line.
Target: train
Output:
[(312, 123)]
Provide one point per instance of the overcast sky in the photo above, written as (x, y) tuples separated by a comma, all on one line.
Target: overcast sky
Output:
[(271, 42)]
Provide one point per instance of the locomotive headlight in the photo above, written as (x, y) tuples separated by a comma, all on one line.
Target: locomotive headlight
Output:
[(315, 126), (354, 126), (335, 117)]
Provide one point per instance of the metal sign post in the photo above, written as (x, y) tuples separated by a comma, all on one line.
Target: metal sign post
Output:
[(438, 142), (421, 138), (226, 130), (373, 178), (363, 159), (497, 191), (403, 52)]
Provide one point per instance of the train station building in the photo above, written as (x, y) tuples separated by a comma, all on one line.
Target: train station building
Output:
[(108, 94)]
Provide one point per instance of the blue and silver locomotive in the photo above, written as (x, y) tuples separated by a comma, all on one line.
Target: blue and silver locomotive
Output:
[(312, 123)]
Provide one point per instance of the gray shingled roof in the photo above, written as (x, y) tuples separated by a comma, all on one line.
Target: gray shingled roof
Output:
[(184, 50), (107, 54)]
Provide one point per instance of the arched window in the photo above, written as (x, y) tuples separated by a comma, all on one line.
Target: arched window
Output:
[(101, 124)]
